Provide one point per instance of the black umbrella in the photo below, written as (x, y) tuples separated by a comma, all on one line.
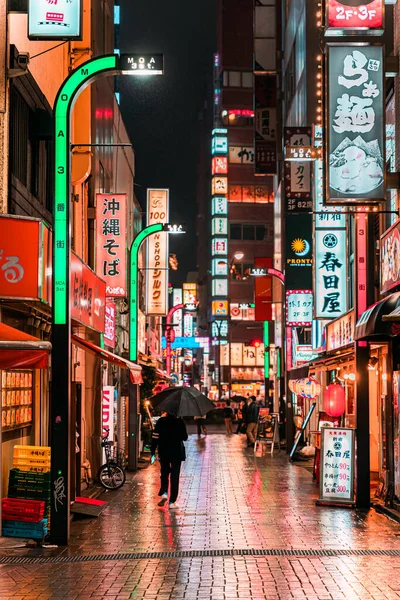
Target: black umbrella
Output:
[(182, 402)]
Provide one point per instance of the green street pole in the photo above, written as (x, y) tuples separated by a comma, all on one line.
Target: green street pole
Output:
[(266, 363), (133, 296), (60, 399)]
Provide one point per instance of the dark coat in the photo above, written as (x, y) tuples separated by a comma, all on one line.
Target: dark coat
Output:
[(168, 436), (252, 413)]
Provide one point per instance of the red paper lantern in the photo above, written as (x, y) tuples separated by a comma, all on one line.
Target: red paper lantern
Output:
[(334, 400)]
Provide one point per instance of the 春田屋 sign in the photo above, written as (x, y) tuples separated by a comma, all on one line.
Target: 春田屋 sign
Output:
[(355, 127), (54, 19)]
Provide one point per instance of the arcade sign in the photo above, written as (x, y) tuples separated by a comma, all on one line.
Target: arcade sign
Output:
[(141, 64)]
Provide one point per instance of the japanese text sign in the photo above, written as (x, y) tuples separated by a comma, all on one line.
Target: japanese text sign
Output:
[(107, 410), (265, 124), (298, 173), (330, 274), (177, 317), (110, 323), (299, 308), (111, 241), (390, 258), (88, 295), (189, 293), (354, 14), (157, 254), (24, 259), (355, 124), (54, 19), (340, 333), (337, 465)]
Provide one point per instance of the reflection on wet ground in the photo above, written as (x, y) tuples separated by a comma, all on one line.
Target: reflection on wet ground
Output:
[(229, 500)]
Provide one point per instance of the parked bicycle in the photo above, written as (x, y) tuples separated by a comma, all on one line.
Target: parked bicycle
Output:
[(112, 473)]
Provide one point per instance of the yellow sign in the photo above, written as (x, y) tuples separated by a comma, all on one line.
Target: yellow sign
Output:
[(220, 307)]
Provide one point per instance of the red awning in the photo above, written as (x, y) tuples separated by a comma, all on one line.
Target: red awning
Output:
[(18, 350), (123, 363)]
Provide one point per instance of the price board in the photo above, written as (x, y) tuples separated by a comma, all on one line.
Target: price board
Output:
[(337, 466)]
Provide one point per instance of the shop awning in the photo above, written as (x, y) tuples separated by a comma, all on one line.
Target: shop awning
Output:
[(374, 323), (298, 372), (18, 350), (123, 363)]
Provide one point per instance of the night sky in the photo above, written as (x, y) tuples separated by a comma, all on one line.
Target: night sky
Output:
[(161, 112)]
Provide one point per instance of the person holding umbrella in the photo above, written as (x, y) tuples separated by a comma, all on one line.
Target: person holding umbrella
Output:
[(170, 433), (168, 436)]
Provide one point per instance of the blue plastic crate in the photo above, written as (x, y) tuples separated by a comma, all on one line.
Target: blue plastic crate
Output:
[(24, 533), (41, 526)]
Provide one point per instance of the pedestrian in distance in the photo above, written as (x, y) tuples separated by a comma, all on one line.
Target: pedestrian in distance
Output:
[(201, 425), (168, 436), (252, 421), (228, 414), (242, 418)]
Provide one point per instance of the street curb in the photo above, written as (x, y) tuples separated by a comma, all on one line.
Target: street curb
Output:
[(385, 510)]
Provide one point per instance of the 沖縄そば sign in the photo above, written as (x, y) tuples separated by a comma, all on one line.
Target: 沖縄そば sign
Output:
[(355, 127)]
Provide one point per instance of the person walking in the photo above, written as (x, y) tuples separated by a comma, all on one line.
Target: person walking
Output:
[(201, 426), (228, 414), (252, 421), (168, 436)]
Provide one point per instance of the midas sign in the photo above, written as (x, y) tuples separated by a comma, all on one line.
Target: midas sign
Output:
[(157, 254)]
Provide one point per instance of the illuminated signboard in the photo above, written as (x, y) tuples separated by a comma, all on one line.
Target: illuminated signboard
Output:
[(303, 153), (337, 465), (157, 254), (219, 185), (219, 143), (219, 247), (111, 242), (110, 323), (219, 165), (220, 308), (330, 273), (219, 328), (188, 325), (141, 64), (390, 258), (50, 20), (299, 308), (243, 312), (188, 343), (220, 287), (299, 251), (177, 317), (355, 131), (189, 293), (298, 190), (219, 226), (363, 15), (219, 267), (219, 206)]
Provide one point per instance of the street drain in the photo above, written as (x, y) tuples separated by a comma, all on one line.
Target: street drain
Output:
[(28, 560)]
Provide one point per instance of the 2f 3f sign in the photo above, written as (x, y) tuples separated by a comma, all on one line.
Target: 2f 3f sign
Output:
[(55, 19)]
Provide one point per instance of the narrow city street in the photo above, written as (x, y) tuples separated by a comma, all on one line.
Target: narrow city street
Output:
[(246, 527)]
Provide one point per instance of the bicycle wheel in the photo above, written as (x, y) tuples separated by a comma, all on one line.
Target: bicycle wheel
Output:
[(111, 476)]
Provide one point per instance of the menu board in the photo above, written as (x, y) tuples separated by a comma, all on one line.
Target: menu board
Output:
[(337, 465), (16, 399)]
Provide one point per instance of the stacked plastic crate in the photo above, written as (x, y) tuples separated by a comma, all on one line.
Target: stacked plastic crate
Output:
[(26, 511)]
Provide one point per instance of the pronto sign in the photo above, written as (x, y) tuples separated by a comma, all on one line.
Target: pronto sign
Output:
[(157, 254), (55, 19)]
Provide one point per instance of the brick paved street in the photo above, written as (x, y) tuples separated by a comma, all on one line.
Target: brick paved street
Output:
[(229, 501)]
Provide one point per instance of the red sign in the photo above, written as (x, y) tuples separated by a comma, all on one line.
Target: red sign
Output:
[(111, 242), (88, 295), (263, 291), (219, 165), (109, 323), (24, 259), (355, 14)]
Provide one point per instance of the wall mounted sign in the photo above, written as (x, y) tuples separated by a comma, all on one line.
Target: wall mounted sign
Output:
[(303, 354), (243, 312), (340, 333), (219, 165), (265, 124), (157, 254), (299, 252), (219, 142), (111, 242), (189, 343), (107, 411), (219, 226), (219, 205), (299, 308), (25, 259), (241, 155), (390, 258), (88, 295), (177, 317), (362, 15), (220, 308), (337, 465), (55, 19), (298, 173), (189, 293), (110, 323), (330, 273), (355, 130)]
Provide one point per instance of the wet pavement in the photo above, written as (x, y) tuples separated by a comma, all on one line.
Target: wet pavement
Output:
[(233, 508)]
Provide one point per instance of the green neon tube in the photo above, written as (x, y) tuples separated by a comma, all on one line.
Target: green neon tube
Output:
[(266, 354), (133, 299), (68, 93)]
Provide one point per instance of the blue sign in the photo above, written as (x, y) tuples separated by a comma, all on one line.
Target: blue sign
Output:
[(188, 342)]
